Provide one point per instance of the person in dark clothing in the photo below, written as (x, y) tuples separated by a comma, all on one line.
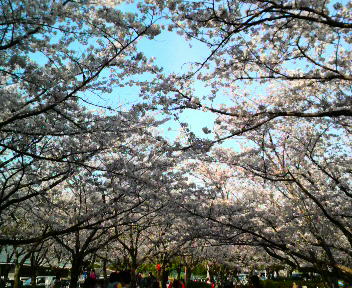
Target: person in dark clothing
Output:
[(151, 281), (114, 279), (125, 278), (254, 282), (89, 283), (144, 282), (228, 284), (177, 284)]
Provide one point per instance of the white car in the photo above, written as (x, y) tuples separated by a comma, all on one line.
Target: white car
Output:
[(243, 278), (45, 281)]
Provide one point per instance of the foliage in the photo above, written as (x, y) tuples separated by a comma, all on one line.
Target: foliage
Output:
[(200, 270)]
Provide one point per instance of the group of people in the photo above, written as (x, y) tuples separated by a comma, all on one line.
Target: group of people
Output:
[(177, 284), (122, 279), (119, 279), (90, 279), (147, 282), (253, 282)]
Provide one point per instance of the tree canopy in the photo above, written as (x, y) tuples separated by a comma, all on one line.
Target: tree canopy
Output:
[(272, 173)]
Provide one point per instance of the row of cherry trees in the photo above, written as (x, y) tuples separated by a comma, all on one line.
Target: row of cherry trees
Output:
[(76, 175), (80, 178), (283, 183)]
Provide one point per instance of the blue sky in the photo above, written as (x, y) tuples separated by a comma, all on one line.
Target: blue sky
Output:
[(174, 54)]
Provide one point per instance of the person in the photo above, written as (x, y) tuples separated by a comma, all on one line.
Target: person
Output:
[(151, 281), (164, 278), (89, 283), (254, 282), (228, 283), (114, 279), (92, 275), (176, 284), (56, 283), (2, 283), (125, 278), (144, 282), (91, 280)]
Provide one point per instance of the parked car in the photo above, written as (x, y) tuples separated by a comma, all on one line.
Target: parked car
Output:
[(243, 278), (27, 282), (45, 281), (9, 283)]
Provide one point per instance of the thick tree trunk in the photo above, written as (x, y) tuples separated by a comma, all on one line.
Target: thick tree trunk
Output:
[(33, 280), (133, 272), (164, 276), (33, 272), (77, 262)]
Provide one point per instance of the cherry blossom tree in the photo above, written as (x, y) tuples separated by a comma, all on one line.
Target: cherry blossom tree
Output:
[(58, 58), (277, 79), (278, 218), (119, 203)]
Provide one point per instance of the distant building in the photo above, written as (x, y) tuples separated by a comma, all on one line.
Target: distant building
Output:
[(8, 263)]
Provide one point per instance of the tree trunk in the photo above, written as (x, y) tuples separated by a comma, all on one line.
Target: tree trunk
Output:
[(164, 276), (77, 262), (104, 273), (179, 271), (33, 280), (18, 268), (133, 272), (16, 276), (33, 272), (158, 278), (188, 273), (93, 261)]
